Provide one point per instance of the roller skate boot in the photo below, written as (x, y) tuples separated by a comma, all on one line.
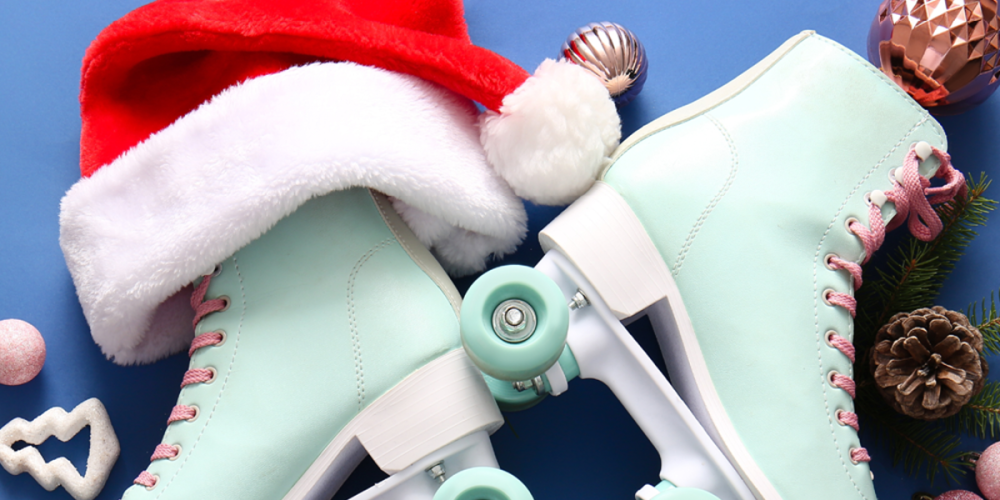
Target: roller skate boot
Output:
[(332, 336), (739, 224), (336, 315)]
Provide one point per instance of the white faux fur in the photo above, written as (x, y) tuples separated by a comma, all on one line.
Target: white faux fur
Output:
[(142, 228), (553, 134)]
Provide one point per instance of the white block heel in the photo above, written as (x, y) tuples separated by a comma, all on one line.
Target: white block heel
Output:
[(438, 405), (604, 239)]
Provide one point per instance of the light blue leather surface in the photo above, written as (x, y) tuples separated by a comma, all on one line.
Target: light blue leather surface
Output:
[(581, 444), (327, 312), (747, 231)]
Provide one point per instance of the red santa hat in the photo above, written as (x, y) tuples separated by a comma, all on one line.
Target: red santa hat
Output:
[(207, 121)]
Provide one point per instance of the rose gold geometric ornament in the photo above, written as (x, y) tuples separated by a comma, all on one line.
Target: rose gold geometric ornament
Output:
[(944, 53)]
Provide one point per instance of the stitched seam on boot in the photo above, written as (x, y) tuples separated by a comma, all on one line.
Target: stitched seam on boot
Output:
[(225, 381), (352, 320), (885, 80), (746, 80), (420, 256), (816, 262), (733, 168)]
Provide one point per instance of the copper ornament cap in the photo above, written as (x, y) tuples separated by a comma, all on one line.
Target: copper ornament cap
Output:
[(944, 53)]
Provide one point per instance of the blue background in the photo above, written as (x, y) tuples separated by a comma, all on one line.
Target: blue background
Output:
[(580, 445)]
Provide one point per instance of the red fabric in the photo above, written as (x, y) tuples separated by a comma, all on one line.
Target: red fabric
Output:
[(163, 60)]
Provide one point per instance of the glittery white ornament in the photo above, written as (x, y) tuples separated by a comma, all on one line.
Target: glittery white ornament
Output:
[(22, 352), (104, 448)]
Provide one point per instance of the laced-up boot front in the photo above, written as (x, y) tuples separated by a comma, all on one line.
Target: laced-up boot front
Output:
[(739, 222), (333, 334)]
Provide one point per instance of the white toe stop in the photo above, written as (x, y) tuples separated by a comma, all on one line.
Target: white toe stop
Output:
[(56, 422), (923, 150)]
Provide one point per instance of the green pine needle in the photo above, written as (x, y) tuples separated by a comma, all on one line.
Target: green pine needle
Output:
[(989, 325), (909, 279), (979, 417), (920, 445), (914, 273), (916, 444)]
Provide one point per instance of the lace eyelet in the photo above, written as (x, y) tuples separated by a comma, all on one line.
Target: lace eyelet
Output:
[(178, 449), (850, 455), (829, 338), (830, 378), (215, 375), (227, 302), (156, 480), (826, 297), (224, 337), (217, 270), (197, 413), (836, 415), (848, 222), (827, 259)]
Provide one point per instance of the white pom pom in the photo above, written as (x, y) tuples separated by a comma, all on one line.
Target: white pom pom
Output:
[(553, 134)]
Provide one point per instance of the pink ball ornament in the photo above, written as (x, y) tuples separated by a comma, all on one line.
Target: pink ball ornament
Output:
[(22, 352), (958, 495), (988, 472)]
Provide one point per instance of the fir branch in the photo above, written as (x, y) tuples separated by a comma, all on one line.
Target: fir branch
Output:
[(989, 325), (916, 444), (915, 272), (979, 417), (910, 278)]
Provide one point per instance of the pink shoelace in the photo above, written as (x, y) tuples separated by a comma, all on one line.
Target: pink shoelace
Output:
[(913, 198), (201, 308)]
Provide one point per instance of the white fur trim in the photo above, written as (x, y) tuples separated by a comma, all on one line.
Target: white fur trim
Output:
[(553, 134), (459, 250), (143, 227)]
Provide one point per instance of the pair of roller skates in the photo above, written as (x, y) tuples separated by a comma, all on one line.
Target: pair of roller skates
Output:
[(737, 223)]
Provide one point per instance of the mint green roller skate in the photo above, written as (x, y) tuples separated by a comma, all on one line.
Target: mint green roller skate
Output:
[(332, 336), (738, 223)]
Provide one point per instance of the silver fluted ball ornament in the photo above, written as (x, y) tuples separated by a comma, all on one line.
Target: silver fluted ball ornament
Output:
[(612, 53)]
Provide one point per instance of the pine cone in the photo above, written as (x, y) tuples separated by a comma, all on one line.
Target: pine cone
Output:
[(928, 363)]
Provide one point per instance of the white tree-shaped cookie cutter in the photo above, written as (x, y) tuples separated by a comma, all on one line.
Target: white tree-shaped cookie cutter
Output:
[(56, 422)]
